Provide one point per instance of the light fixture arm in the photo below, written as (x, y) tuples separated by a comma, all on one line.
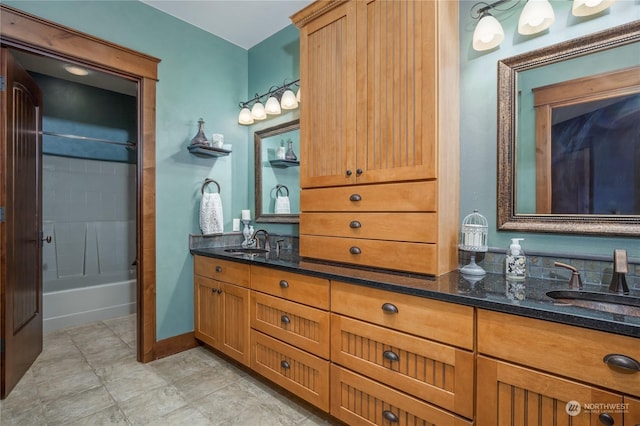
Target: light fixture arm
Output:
[(276, 91)]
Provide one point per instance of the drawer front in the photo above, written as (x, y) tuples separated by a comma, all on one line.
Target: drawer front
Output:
[(299, 325), (401, 256), (437, 373), (357, 400), (397, 197), (297, 371), (442, 321), (573, 352), (416, 227), (632, 415), (299, 288), (222, 270)]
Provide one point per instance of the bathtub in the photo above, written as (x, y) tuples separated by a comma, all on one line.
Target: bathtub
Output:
[(76, 306)]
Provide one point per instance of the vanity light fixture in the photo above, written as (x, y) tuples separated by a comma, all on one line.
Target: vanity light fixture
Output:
[(278, 98), (590, 7), (536, 17), (488, 33), (75, 70)]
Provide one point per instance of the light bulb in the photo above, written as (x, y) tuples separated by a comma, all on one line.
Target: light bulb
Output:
[(245, 116), (589, 7), (536, 16), (258, 112), (272, 106), (288, 100), (488, 33)]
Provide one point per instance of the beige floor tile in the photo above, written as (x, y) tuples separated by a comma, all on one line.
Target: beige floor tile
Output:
[(183, 416), (109, 416), (149, 407), (182, 365), (48, 369), (64, 386), (33, 416), (199, 385), (63, 411), (131, 381)]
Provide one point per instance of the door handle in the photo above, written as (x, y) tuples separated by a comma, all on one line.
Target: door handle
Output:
[(47, 239)]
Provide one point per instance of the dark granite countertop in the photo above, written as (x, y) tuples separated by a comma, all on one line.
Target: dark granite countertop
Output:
[(493, 292)]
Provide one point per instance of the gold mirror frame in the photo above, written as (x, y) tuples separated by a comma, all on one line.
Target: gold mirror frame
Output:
[(262, 216), (508, 219)]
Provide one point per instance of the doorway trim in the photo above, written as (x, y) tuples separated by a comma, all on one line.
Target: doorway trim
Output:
[(42, 37)]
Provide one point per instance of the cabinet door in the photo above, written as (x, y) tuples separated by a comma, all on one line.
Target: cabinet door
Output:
[(327, 112), (207, 310), (397, 59), (632, 411), (512, 395), (234, 322)]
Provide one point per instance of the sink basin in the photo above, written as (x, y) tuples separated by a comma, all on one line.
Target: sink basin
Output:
[(246, 250), (606, 302)]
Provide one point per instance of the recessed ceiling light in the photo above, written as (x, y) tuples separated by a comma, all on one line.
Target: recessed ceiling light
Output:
[(75, 70)]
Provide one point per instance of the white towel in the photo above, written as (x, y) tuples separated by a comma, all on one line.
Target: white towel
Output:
[(282, 205), (211, 220)]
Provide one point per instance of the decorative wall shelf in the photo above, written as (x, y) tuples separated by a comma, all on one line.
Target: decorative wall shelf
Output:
[(281, 164), (207, 151)]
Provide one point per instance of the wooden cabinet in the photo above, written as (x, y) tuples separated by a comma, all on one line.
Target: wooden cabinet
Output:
[(381, 108), (397, 357), (535, 372), (222, 308), (290, 332)]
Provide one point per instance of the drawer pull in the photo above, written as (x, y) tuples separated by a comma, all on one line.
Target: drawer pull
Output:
[(213, 290), (285, 319), (390, 355), (355, 250), (355, 224), (389, 308), (349, 172), (284, 364), (389, 416), (219, 291), (218, 268), (622, 362), (355, 197), (284, 284), (358, 172), (606, 419)]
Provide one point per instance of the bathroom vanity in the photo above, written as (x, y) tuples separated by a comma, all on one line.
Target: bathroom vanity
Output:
[(374, 347)]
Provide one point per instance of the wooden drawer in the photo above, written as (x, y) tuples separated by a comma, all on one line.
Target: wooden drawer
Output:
[(299, 288), (442, 321), (440, 374), (573, 352), (401, 256), (222, 270), (299, 325), (416, 227), (389, 197), (302, 374), (357, 400)]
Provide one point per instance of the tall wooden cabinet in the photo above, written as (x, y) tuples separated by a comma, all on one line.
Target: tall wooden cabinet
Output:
[(381, 107)]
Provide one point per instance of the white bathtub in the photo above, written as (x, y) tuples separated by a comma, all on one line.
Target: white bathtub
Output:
[(73, 307)]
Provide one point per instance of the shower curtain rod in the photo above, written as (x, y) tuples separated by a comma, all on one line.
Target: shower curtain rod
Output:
[(86, 138)]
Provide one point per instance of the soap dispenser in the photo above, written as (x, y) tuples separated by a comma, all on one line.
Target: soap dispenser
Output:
[(516, 267)]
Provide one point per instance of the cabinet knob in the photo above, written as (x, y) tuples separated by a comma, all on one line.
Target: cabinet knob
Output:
[(284, 364), (355, 250), (284, 284), (355, 197), (390, 355), (389, 308), (389, 416), (219, 291), (358, 172), (624, 363), (218, 268), (355, 224), (285, 319), (606, 419), (349, 172), (213, 290)]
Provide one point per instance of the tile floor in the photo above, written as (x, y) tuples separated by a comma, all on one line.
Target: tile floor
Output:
[(88, 375)]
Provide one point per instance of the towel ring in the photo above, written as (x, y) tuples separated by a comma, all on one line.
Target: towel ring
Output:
[(279, 187), (207, 181)]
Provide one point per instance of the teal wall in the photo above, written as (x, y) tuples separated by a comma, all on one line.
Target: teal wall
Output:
[(271, 63), (200, 76), (478, 113)]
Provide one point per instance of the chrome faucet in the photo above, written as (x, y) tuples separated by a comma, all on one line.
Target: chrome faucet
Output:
[(254, 237)]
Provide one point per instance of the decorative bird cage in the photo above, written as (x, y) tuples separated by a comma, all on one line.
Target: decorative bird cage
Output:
[(473, 238)]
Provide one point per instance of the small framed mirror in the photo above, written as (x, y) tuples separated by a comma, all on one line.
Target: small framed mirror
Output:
[(277, 173)]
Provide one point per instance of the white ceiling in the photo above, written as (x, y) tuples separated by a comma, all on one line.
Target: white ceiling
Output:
[(244, 23)]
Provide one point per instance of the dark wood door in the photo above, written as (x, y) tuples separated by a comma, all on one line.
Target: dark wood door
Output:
[(20, 231)]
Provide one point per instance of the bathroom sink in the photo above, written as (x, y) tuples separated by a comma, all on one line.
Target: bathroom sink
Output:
[(606, 302), (245, 250)]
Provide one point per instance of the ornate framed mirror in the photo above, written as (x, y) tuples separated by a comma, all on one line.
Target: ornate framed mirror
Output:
[(569, 136)]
